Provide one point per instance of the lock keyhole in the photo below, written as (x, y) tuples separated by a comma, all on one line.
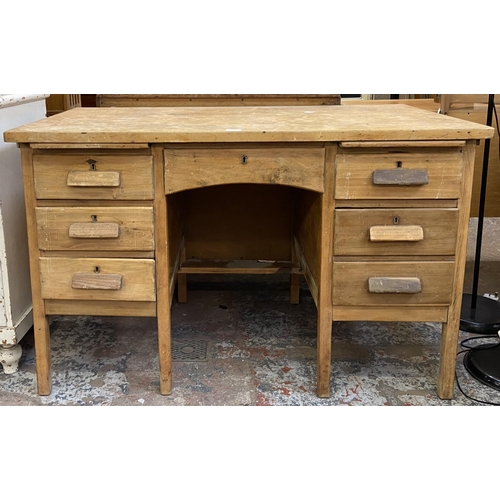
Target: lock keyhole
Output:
[(94, 218), (244, 159), (92, 164), (399, 164), (396, 220), (97, 270)]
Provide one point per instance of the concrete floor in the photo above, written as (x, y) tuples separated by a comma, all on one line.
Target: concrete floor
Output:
[(239, 342)]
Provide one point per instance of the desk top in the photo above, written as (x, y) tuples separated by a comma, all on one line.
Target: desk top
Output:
[(246, 124)]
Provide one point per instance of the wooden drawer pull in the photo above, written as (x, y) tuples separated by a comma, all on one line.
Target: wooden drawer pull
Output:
[(394, 285), (400, 177), (97, 281), (396, 233), (93, 178), (94, 230)]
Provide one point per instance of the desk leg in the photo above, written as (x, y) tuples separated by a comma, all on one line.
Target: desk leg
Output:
[(450, 333), (325, 307), (448, 359), (42, 355), (164, 347), (40, 321), (324, 350), (163, 292)]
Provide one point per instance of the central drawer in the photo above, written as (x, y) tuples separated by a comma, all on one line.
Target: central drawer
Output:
[(98, 279), (95, 228), (195, 168), (395, 231)]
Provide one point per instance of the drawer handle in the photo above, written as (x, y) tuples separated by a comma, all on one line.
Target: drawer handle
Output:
[(396, 233), (93, 178), (94, 230), (97, 281), (400, 177), (394, 285)]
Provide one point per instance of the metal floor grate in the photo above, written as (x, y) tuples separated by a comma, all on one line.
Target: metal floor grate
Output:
[(189, 350)]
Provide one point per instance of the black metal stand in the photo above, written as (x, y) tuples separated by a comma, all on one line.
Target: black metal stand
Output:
[(481, 314), (483, 363)]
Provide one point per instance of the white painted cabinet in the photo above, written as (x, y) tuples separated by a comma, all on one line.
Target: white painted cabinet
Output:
[(16, 315)]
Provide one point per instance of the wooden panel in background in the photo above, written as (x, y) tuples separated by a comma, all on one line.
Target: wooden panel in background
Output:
[(427, 104), (477, 114), (174, 100)]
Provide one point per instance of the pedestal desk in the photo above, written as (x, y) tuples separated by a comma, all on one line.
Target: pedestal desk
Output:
[(369, 203)]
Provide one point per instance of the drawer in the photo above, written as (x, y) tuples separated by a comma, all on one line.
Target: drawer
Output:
[(406, 174), (95, 228), (392, 283), (395, 231), (93, 176), (98, 279), (194, 168)]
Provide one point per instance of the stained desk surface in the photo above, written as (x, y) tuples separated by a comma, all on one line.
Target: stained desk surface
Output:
[(247, 124)]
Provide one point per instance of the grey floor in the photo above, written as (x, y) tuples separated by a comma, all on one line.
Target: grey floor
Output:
[(239, 342)]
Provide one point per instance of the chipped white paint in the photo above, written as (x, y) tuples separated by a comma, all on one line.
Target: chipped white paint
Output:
[(3, 310), (9, 358), (16, 315), (5, 321), (7, 100)]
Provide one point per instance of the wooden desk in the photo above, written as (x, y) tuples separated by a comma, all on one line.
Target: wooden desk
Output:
[(369, 203), (169, 100)]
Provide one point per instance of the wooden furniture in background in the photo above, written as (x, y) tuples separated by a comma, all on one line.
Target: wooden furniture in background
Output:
[(427, 104), (473, 107), (169, 100), (451, 102), (57, 103), (88, 100), (304, 188)]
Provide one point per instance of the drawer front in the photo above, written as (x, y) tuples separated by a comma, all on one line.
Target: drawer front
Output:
[(395, 231), (93, 176), (297, 167), (392, 283), (95, 228), (399, 175), (98, 279)]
